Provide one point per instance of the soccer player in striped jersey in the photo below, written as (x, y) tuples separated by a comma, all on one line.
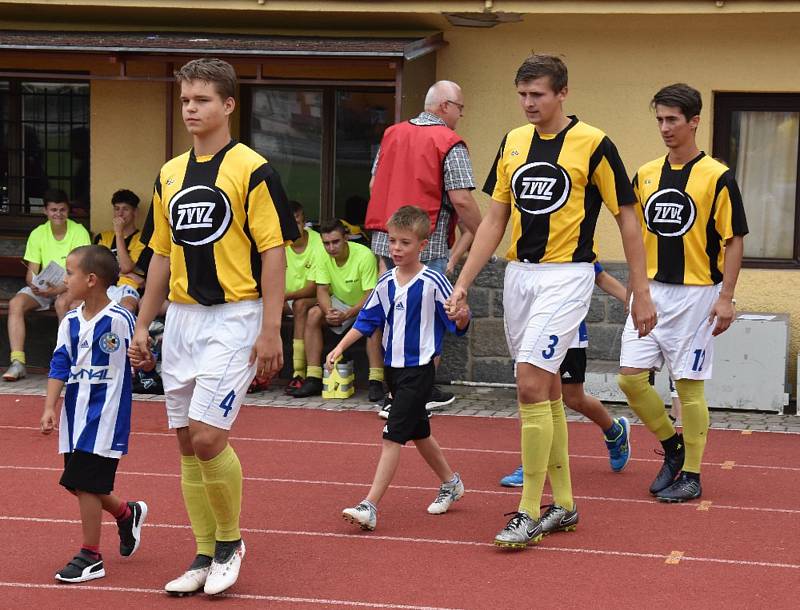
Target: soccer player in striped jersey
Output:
[(91, 360), (408, 304), (218, 225), (693, 222), (551, 178)]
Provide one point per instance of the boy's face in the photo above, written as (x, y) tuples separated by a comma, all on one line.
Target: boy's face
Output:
[(300, 219), (334, 243), (56, 212), (675, 129), (78, 283), (405, 246), (125, 212), (538, 100), (203, 109)]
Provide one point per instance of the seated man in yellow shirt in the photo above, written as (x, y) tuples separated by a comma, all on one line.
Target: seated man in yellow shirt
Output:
[(131, 253), (345, 279), (50, 242)]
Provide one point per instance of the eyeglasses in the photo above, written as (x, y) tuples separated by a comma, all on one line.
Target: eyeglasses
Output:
[(456, 104)]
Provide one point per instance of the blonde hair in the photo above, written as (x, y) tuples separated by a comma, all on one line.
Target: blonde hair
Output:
[(411, 218)]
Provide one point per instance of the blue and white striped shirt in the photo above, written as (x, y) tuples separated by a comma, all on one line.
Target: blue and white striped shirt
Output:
[(413, 317), (91, 358)]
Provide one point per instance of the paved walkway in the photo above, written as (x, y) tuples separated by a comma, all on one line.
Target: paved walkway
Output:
[(482, 401)]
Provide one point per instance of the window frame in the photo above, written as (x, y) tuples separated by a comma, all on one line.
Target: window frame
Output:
[(725, 104)]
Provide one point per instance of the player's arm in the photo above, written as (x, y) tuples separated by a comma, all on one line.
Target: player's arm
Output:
[(306, 292), (466, 208), (268, 348), (724, 310), (324, 298), (33, 269), (48, 421), (460, 248), (643, 311), (611, 285), (353, 311), (126, 264), (350, 337), (487, 238), (154, 297)]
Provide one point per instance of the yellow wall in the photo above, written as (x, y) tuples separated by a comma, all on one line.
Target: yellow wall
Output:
[(616, 63)]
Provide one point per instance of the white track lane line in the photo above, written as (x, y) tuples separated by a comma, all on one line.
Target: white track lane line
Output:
[(267, 598), (440, 541), (492, 492), (300, 441)]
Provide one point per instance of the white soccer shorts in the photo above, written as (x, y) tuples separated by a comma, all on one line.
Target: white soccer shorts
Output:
[(119, 292), (205, 356), (682, 336), (544, 305)]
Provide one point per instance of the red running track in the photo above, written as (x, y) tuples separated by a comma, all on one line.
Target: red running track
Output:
[(740, 548)]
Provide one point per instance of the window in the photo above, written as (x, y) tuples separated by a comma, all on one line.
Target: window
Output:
[(322, 141), (758, 136)]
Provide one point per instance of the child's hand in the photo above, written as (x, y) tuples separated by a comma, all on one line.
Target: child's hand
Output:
[(141, 359), (48, 421), (333, 356), (462, 316)]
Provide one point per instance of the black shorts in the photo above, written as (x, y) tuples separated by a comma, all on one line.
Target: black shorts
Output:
[(411, 389), (573, 369), (89, 472)]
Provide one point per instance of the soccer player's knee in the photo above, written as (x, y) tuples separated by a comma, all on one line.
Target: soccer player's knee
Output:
[(315, 316), (690, 391), (633, 385)]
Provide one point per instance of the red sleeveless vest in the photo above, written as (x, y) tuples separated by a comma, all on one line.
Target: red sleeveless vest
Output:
[(410, 172)]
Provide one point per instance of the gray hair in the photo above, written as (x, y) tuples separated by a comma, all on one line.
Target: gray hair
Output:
[(439, 93)]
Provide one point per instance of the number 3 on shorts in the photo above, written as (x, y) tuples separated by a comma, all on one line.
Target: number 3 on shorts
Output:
[(551, 349), (227, 403)]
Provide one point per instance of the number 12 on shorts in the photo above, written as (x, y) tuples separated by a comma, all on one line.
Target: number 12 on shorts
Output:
[(699, 359), (227, 403), (551, 348)]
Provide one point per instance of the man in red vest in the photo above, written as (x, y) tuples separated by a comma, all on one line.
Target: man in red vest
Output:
[(423, 162)]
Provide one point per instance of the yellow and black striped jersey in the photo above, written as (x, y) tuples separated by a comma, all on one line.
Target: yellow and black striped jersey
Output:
[(139, 253), (212, 216), (556, 184), (688, 212)]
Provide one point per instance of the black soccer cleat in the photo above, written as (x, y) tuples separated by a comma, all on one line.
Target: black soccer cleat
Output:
[(312, 386), (673, 462), (682, 490)]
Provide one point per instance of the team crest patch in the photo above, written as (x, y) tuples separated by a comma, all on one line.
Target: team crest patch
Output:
[(669, 212), (199, 215), (540, 187), (110, 343)]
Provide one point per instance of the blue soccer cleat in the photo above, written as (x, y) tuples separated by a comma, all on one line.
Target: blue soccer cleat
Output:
[(619, 448), (513, 480)]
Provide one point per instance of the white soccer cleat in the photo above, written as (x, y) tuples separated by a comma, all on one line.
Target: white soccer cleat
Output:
[(362, 515), (223, 575), (188, 583), (448, 493)]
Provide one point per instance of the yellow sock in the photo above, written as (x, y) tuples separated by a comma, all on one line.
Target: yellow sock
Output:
[(222, 477), (18, 356), (647, 404), (536, 437), (695, 421), (558, 467), (376, 373), (298, 357), (314, 371), (204, 526)]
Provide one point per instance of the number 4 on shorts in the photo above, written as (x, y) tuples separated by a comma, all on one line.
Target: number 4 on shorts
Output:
[(227, 403)]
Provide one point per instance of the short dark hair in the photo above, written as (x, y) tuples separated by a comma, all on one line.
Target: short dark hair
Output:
[(296, 206), (331, 225), (539, 65), (411, 218), (55, 196), (210, 70), (125, 196), (679, 95), (100, 261)]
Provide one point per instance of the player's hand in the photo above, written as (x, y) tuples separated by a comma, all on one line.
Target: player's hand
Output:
[(48, 421), (267, 353), (139, 349), (334, 317), (119, 225), (725, 312), (333, 356), (643, 314), (456, 302), (462, 317)]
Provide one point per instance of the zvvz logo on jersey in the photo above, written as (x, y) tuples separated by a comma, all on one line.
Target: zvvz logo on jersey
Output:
[(540, 187), (669, 213), (199, 215)]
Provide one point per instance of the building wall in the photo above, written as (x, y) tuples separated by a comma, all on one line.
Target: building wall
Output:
[(616, 63)]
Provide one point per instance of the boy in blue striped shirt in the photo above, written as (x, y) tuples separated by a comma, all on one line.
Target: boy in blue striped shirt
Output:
[(91, 359), (409, 305)]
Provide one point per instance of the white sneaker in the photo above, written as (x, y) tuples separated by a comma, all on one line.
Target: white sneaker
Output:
[(448, 493), (15, 371), (223, 575), (362, 515), (188, 583)]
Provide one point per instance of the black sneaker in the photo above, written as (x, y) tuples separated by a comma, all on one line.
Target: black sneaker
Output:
[(130, 530), (673, 462), (147, 383), (683, 489), (439, 399), (312, 386), (81, 568), (376, 392)]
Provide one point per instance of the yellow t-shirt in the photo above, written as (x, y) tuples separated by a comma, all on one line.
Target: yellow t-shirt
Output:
[(135, 250), (42, 247), (301, 268), (349, 282)]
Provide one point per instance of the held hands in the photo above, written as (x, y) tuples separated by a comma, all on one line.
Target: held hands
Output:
[(267, 353), (48, 422), (725, 312), (461, 317), (456, 303), (139, 350)]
